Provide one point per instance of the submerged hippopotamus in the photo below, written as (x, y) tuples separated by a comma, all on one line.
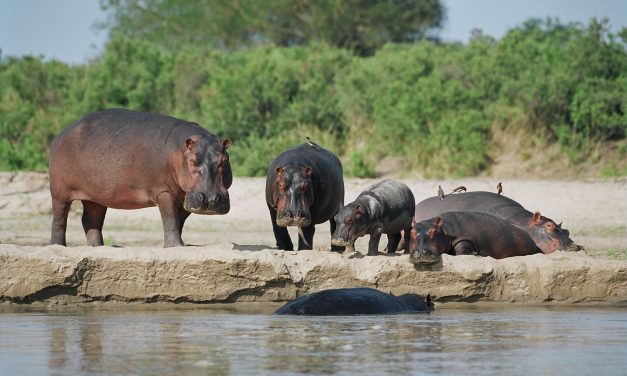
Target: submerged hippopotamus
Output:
[(125, 159), (355, 301), (386, 207), (304, 187), (548, 235), (468, 233)]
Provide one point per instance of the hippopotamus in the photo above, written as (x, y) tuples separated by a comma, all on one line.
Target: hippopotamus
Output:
[(304, 187), (386, 207), (468, 233), (548, 235), (125, 159), (355, 301)]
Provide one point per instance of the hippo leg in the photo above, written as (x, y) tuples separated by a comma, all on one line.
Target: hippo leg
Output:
[(393, 240), (281, 235), (60, 210), (305, 237), (169, 209), (465, 247), (373, 244), (93, 218), (406, 239), (335, 248), (183, 214)]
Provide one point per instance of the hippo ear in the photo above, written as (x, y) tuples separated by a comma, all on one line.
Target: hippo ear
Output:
[(413, 222), (226, 143), (190, 143), (279, 171), (537, 217), (359, 209), (439, 222), (307, 170)]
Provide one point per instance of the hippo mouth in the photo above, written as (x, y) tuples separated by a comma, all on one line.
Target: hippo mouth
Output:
[(342, 242), (293, 221), (424, 257), (573, 248), (199, 204)]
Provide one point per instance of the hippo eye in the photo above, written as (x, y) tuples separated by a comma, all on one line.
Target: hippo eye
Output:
[(550, 226), (192, 162), (282, 187)]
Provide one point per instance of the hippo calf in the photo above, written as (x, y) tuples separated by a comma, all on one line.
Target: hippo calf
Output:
[(304, 187), (468, 233), (386, 207), (125, 159), (547, 234), (355, 301)]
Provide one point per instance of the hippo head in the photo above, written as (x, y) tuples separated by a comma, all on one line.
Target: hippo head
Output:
[(293, 195), (206, 175), (417, 303), (549, 236), (428, 242), (352, 222)]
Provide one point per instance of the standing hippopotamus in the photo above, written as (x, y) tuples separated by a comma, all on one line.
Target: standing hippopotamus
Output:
[(468, 233), (128, 160), (386, 207), (548, 235), (304, 187), (355, 301)]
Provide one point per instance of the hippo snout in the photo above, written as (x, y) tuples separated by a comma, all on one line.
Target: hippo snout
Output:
[(425, 256), (342, 242), (574, 248), (201, 203), (297, 218)]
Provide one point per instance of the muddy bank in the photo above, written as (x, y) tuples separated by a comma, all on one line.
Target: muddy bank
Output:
[(213, 274)]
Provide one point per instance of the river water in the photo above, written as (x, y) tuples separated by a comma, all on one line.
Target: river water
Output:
[(172, 339)]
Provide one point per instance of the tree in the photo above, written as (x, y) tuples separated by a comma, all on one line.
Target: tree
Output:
[(359, 25)]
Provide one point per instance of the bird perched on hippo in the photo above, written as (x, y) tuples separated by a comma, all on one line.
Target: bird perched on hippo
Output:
[(304, 187), (547, 234), (386, 207), (126, 159)]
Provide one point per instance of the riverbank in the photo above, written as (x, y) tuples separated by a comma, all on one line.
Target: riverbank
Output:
[(233, 259), (215, 274)]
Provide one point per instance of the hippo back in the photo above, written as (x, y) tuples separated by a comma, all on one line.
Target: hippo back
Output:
[(347, 301), (485, 202)]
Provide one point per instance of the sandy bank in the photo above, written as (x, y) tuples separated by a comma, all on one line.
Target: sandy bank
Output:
[(222, 274)]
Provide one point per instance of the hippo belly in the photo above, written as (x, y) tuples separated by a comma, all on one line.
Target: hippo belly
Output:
[(355, 301)]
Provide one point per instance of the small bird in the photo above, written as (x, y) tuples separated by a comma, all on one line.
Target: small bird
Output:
[(459, 189), (499, 188), (312, 144), (440, 193)]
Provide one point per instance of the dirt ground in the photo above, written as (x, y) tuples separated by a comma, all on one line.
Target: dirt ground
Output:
[(595, 212)]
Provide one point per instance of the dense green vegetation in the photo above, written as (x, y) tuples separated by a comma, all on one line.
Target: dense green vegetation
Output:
[(433, 105)]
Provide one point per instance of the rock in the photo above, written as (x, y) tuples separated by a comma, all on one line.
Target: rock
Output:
[(219, 273)]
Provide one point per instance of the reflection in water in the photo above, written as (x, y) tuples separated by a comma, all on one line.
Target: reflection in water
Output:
[(57, 348), (448, 341)]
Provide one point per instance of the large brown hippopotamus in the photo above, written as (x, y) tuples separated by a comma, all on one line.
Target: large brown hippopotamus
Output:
[(355, 301), (386, 207), (125, 159), (548, 235), (468, 233), (304, 187)]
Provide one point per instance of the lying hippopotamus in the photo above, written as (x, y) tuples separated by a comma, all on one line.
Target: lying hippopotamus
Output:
[(386, 207), (548, 235), (125, 159), (304, 187), (355, 301), (468, 233)]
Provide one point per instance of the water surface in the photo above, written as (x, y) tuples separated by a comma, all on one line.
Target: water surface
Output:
[(204, 340)]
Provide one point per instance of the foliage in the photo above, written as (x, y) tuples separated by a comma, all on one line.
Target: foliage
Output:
[(431, 105), (358, 25)]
